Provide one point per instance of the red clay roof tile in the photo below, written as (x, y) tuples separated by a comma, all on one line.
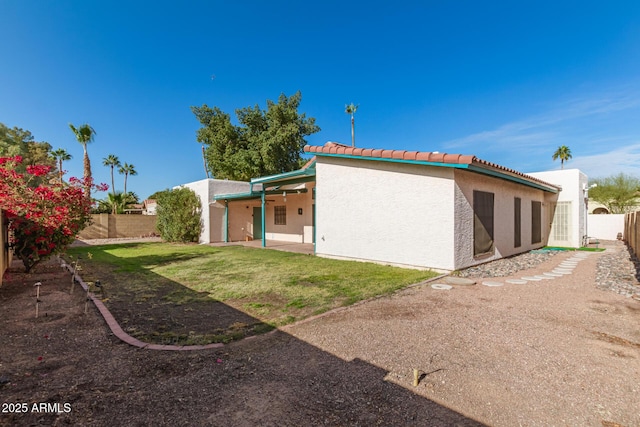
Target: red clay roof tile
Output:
[(419, 156), (437, 157)]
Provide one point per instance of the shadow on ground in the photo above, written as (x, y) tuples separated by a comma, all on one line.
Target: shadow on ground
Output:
[(267, 380)]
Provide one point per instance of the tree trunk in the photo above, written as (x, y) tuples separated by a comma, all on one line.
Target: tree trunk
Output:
[(87, 173), (353, 132)]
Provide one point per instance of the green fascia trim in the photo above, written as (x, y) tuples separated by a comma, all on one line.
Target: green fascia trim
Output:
[(256, 194), (512, 178), (468, 167), (238, 196), (308, 172), (309, 178)]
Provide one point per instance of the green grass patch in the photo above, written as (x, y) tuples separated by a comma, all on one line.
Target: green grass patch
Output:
[(271, 286), (563, 248)]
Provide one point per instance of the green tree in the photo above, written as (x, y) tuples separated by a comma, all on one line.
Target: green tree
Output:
[(563, 153), (618, 193), (19, 142), (84, 135), (157, 194), (127, 170), (179, 215), (351, 109), (266, 142), (60, 155)]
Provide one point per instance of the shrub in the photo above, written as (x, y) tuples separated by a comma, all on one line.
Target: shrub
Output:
[(44, 219), (179, 215)]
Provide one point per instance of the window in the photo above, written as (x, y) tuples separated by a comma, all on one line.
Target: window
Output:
[(482, 223), (536, 222), (562, 222), (280, 215), (517, 222)]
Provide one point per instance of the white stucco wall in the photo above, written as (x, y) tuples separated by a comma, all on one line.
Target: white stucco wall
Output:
[(504, 223), (574, 185), (605, 227), (212, 216), (385, 212)]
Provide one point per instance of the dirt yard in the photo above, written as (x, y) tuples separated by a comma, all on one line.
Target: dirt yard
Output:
[(557, 352)]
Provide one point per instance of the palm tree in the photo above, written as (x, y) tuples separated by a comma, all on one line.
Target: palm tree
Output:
[(112, 161), (115, 201), (563, 153), (127, 170), (351, 109), (84, 134), (60, 155)]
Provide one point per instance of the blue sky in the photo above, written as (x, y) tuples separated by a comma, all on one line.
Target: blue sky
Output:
[(506, 81)]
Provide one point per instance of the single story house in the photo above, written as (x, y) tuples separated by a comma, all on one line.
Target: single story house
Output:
[(425, 210), (412, 209), (149, 207)]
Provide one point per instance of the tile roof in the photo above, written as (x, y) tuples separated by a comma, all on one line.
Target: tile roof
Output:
[(337, 149)]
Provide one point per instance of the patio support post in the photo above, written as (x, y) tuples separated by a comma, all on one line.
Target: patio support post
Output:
[(264, 231), (226, 221)]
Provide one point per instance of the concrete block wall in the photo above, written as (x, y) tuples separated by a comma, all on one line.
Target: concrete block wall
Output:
[(108, 226)]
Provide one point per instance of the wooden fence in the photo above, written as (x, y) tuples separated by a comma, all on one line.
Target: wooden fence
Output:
[(632, 231)]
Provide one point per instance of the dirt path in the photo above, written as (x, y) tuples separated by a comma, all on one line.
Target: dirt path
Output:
[(556, 352)]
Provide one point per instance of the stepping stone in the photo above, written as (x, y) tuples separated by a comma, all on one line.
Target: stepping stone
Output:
[(543, 277), (459, 281), (552, 275), (561, 269), (490, 283), (517, 281), (442, 287), (531, 278), (575, 259), (563, 272), (565, 265)]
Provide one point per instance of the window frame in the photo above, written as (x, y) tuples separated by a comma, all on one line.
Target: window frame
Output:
[(483, 223), (280, 215)]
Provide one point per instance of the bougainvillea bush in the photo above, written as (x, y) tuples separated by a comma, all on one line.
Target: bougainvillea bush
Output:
[(43, 219)]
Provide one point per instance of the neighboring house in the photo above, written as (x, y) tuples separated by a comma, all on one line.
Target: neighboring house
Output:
[(569, 223), (149, 207), (135, 208), (600, 209)]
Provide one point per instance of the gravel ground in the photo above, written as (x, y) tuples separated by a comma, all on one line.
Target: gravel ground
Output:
[(560, 352), (563, 351)]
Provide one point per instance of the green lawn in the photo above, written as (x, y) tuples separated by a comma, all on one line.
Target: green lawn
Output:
[(272, 286)]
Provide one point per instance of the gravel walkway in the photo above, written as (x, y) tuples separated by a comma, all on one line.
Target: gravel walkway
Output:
[(617, 270)]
